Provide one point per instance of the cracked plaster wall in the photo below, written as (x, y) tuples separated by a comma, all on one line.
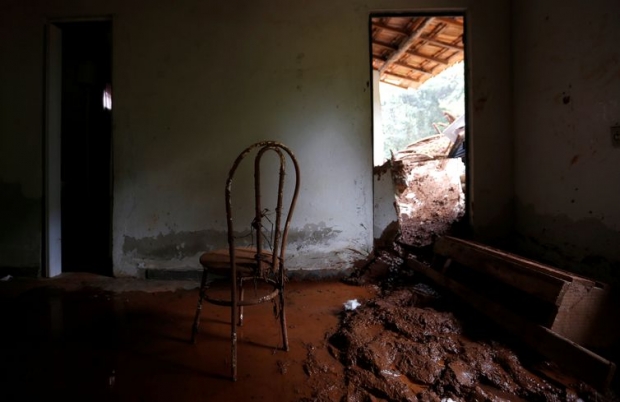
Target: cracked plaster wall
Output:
[(567, 81), (186, 102)]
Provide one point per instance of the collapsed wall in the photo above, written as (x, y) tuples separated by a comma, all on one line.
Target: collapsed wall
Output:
[(429, 190)]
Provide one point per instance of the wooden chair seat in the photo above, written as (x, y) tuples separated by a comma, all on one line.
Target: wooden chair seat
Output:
[(218, 261)]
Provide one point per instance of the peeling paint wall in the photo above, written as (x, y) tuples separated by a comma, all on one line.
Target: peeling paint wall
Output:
[(197, 81), (566, 86)]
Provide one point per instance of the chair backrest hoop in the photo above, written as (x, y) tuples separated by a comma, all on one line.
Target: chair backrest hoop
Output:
[(281, 232)]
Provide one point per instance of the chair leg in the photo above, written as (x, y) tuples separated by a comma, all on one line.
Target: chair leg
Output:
[(201, 296), (283, 320), (241, 292), (233, 337)]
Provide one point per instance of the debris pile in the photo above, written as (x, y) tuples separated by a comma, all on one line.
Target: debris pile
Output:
[(431, 201), (429, 188), (399, 348)]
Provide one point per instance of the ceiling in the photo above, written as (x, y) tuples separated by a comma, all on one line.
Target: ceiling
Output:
[(409, 50)]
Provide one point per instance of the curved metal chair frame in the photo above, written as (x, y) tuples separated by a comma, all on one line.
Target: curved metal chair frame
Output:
[(241, 263)]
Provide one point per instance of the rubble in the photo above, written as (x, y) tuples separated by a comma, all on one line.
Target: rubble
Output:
[(405, 346), (429, 189)]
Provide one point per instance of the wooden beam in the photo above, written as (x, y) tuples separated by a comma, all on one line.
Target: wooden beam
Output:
[(540, 284), (450, 21), (413, 68), (391, 29), (583, 305), (404, 46), (441, 44), (411, 52), (384, 45), (570, 356), (525, 262), (402, 77), (430, 58), (405, 65)]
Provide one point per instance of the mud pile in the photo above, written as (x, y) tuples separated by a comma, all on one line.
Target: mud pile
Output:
[(398, 348), (430, 200)]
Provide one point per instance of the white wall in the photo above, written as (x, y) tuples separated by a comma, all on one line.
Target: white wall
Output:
[(566, 97), (196, 81)]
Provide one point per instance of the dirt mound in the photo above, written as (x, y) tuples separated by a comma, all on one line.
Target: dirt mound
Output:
[(398, 348)]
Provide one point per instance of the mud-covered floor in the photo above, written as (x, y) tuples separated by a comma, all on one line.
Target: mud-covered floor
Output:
[(90, 338), (409, 345)]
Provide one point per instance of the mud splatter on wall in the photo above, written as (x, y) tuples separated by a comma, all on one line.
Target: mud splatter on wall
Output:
[(180, 118), (566, 99)]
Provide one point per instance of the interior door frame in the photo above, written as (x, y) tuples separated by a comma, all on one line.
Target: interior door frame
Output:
[(52, 112)]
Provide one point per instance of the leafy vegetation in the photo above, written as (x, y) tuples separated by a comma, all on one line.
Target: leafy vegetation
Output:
[(408, 115)]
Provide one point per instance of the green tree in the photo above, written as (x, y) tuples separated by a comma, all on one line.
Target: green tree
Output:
[(408, 115)]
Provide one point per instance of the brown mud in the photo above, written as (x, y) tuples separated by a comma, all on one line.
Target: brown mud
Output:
[(408, 344)]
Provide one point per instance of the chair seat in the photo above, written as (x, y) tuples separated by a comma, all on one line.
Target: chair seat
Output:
[(218, 261)]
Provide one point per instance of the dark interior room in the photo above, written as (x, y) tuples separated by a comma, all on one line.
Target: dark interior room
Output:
[(361, 200)]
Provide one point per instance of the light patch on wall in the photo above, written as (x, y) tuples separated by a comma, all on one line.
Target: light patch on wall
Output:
[(107, 97)]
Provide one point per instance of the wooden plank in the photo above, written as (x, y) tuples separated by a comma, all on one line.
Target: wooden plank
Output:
[(403, 77), (539, 284), (430, 58), (410, 52), (575, 359), (450, 21), (531, 264), (404, 65), (385, 27), (441, 44), (405, 45)]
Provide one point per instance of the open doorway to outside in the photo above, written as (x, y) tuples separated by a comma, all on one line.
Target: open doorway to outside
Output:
[(78, 147), (419, 130)]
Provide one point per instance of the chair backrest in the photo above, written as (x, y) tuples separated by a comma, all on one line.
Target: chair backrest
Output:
[(279, 233)]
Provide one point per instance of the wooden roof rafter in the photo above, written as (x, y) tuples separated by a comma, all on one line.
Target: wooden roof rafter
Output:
[(405, 65), (441, 44), (450, 21), (432, 58), (436, 30), (404, 46), (416, 46)]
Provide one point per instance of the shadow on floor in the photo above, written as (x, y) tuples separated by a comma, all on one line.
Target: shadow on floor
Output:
[(84, 337)]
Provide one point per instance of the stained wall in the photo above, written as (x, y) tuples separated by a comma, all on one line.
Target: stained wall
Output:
[(566, 85), (196, 81)]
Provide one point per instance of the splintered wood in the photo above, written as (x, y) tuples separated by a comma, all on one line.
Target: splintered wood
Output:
[(554, 312)]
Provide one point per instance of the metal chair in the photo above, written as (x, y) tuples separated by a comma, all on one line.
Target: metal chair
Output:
[(257, 262)]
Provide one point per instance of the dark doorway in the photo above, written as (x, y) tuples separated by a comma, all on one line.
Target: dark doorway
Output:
[(86, 126)]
